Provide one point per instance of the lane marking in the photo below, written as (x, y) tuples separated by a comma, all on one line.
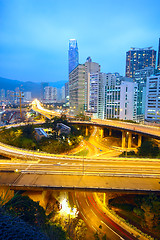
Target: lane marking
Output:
[(93, 213), (83, 215), (112, 230), (94, 228), (77, 203)]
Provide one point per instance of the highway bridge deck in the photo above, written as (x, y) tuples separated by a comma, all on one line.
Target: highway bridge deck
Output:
[(79, 182)]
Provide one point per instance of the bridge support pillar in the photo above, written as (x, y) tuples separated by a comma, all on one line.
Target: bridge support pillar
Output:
[(123, 139), (139, 140), (86, 131), (102, 132), (104, 199), (129, 140), (110, 132)]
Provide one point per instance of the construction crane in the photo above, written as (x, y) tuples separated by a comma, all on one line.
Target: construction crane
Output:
[(20, 96)]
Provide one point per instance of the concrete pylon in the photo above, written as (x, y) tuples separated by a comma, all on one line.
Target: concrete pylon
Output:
[(129, 140), (123, 139), (110, 132), (86, 131), (102, 132), (104, 199), (139, 140)]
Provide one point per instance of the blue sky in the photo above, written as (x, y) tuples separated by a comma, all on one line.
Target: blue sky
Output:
[(34, 34)]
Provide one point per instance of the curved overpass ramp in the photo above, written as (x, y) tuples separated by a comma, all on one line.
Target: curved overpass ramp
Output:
[(147, 130), (120, 125)]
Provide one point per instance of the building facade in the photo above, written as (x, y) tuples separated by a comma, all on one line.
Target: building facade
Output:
[(43, 85), (77, 89), (117, 101), (50, 94), (73, 55), (141, 79), (152, 110), (158, 62), (93, 92), (92, 70), (105, 80), (27, 97), (139, 58)]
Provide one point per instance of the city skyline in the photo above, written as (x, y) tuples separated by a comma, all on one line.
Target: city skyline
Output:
[(34, 38)]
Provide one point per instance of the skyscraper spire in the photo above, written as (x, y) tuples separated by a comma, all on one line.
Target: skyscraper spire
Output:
[(73, 55)]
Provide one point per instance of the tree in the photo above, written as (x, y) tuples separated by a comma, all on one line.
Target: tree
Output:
[(96, 236), (80, 230), (28, 131), (28, 210), (148, 149), (55, 232)]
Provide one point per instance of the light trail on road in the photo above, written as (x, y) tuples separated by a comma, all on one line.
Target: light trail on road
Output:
[(95, 168), (94, 217)]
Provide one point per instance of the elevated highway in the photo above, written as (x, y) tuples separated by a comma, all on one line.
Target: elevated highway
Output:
[(41, 170), (57, 171), (126, 128)]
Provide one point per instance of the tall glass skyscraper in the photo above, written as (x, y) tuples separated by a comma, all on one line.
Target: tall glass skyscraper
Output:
[(158, 63), (139, 58), (73, 56)]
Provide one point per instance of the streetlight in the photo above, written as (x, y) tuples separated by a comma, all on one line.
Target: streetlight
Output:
[(68, 212)]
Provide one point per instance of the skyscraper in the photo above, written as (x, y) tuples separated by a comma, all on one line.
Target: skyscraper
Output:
[(139, 58), (50, 94), (73, 56), (141, 78), (77, 89), (92, 70), (158, 63), (43, 85), (152, 108), (117, 101)]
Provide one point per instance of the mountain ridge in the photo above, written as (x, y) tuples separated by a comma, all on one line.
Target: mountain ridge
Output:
[(28, 86)]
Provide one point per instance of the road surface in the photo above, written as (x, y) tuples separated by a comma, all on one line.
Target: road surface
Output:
[(96, 219)]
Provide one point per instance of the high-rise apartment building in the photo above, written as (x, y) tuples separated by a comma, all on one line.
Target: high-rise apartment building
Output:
[(77, 89), (63, 94), (43, 85), (92, 70), (27, 96), (93, 92), (10, 96), (50, 94), (73, 55), (66, 89), (139, 58), (158, 62), (141, 79), (117, 101), (118, 78), (105, 80), (152, 110)]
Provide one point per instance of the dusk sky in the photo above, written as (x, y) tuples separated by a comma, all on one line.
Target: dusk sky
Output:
[(34, 34)]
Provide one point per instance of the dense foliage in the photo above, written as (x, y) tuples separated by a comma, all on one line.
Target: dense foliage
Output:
[(31, 217), (148, 149), (15, 228), (140, 210), (25, 137)]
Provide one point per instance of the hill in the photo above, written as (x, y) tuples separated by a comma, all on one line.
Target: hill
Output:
[(34, 87)]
